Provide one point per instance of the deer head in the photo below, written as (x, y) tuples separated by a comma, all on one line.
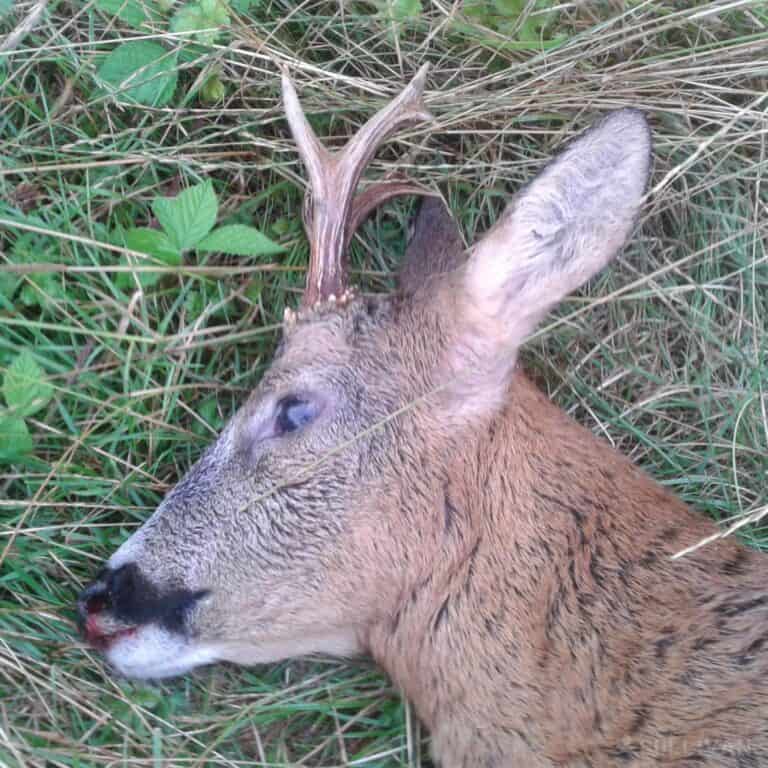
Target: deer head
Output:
[(307, 520)]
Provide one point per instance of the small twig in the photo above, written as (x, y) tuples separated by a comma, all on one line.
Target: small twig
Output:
[(24, 27)]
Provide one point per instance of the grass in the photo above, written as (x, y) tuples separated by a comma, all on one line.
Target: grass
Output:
[(665, 355)]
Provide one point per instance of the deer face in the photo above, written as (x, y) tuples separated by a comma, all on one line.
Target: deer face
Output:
[(244, 558), (312, 513)]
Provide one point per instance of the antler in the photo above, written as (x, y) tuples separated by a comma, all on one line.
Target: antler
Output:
[(332, 212)]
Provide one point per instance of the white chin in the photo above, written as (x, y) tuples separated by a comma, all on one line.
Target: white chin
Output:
[(154, 652)]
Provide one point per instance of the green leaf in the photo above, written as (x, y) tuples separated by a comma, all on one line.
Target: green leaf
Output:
[(142, 72), (41, 290), (153, 242), (194, 53), (215, 11), (133, 12), (37, 290), (6, 6), (25, 386), (203, 18), (213, 90), (239, 240), (15, 439), (188, 217), (189, 18)]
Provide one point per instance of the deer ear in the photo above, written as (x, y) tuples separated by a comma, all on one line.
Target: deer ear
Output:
[(555, 234), (563, 227), (434, 247)]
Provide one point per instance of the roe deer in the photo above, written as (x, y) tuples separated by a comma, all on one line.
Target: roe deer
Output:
[(396, 486)]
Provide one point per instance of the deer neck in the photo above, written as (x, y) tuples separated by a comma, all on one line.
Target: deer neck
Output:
[(533, 508), (457, 625)]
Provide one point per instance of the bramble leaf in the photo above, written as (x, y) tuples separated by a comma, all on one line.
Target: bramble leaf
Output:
[(204, 18), (188, 217), (15, 439), (25, 386), (153, 242), (141, 71), (133, 12), (240, 240)]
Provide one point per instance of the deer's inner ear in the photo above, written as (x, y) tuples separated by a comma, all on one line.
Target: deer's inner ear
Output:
[(559, 230)]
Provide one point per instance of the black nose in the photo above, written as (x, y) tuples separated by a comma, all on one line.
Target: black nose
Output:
[(130, 597), (112, 590)]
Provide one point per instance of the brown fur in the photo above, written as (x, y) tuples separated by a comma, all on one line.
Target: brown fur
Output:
[(550, 627)]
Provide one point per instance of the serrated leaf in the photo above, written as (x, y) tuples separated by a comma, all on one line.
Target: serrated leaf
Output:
[(215, 11), (153, 242), (140, 71), (189, 18), (239, 240), (25, 386), (133, 12), (38, 289), (15, 439), (41, 290), (203, 18), (188, 217)]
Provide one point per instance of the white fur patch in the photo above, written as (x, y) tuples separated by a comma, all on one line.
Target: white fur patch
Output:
[(154, 652)]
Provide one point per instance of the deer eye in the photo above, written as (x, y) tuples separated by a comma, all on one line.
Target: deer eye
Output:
[(294, 413)]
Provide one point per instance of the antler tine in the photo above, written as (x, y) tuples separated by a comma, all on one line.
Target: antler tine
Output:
[(313, 154), (333, 179)]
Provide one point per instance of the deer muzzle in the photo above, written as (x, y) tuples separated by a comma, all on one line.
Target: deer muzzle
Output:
[(121, 612)]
